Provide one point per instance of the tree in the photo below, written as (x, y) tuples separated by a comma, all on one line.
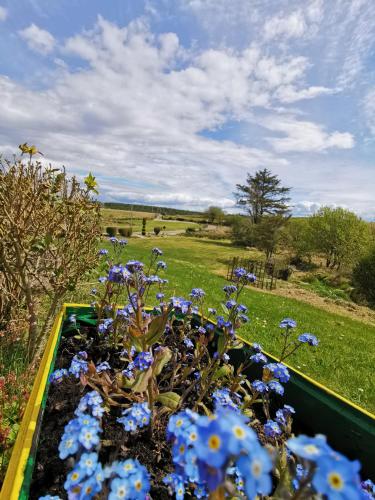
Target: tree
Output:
[(215, 214), (340, 235), (364, 278), (263, 195)]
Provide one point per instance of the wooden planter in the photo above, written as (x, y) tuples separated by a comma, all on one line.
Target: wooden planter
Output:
[(349, 428)]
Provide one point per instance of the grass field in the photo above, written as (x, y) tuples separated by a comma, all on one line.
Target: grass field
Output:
[(123, 218), (344, 359)]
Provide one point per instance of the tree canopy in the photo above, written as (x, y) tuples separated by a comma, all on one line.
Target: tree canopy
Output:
[(263, 195)]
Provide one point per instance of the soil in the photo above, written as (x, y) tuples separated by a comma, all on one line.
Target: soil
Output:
[(117, 444)]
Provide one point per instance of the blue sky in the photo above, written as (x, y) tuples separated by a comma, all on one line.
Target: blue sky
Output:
[(172, 102)]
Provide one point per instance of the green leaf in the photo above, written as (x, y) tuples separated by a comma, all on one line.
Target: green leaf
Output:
[(169, 399), (91, 183), (156, 328), (223, 371), (162, 357), (141, 382), (221, 343)]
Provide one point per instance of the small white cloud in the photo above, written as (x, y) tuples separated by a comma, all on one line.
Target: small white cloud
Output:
[(38, 39), (292, 26), (304, 136), (3, 13), (289, 93)]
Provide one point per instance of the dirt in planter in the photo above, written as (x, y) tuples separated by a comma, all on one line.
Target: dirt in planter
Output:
[(50, 471)]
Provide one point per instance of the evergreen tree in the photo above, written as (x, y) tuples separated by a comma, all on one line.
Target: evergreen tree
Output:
[(263, 195)]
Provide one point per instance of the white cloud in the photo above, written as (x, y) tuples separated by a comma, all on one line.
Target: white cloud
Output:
[(291, 26), (304, 135), (38, 39), (289, 93), (3, 13)]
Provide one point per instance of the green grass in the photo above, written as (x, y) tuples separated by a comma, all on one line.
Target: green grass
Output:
[(344, 359)]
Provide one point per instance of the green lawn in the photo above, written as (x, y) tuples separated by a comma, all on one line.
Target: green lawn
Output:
[(344, 360)]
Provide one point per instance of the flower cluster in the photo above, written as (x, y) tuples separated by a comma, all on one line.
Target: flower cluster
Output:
[(205, 449), (222, 398), (82, 432), (58, 375), (131, 481), (79, 364), (137, 416)]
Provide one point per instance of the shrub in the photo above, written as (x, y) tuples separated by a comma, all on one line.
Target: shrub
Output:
[(126, 231), (111, 231), (190, 230), (157, 230), (364, 278), (143, 227), (49, 226)]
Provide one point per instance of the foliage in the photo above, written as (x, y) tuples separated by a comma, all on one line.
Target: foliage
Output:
[(125, 231), (340, 235), (143, 227), (296, 236), (48, 233), (364, 277), (215, 214), (243, 231), (157, 230), (111, 231), (216, 415), (263, 195)]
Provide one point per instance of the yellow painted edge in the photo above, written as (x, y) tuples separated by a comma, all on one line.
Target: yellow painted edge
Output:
[(306, 377), (16, 469)]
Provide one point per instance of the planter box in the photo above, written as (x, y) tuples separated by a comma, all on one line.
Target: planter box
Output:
[(349, 428)]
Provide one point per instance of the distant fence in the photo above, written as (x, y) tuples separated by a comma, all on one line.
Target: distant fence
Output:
[(265, 272)]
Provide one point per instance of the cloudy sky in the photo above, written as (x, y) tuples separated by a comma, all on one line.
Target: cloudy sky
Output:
[(172, 102)]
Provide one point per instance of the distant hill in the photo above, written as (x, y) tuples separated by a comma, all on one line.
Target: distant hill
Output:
[(150, 208)]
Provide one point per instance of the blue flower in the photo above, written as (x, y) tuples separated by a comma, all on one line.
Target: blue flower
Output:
[(160, 296), (255, 468), (103, 251), (134, 266), (230, 304), (288, 323), (222, 398), (241, 308), (143, 361), (188, 343), (211, 310), (105, 325), (88, 437), (197, 293), (229, 290), (310, 448), (156, 251), (102, 279), (308, 338), (240, 272), (180, 304), (251, 278), (68, 446), (120, 489), (74, 477), (161, 265), (211, 446), (113, 239), (49, 497), (258, 358), (123, 242), (118, 274), (88, 463), (78, 365), (259, 386), (243, 318), (272, 429), (178, 424), (241, 437), (57, 376), (257, 347), (283, 414), (137, 416), (275, 386), (337, 478), (139, 482), (279, 371)]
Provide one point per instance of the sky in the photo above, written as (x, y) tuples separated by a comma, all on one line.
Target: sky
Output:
[(173, 102)]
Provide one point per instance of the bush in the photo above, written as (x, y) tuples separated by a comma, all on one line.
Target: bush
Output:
[(190, 230), (49, 227), (364, 279), (143, 227), (157, 230), (126, 231), (111, 231)]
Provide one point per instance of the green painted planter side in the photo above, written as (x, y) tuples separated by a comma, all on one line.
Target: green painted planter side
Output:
[(348, 429)]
